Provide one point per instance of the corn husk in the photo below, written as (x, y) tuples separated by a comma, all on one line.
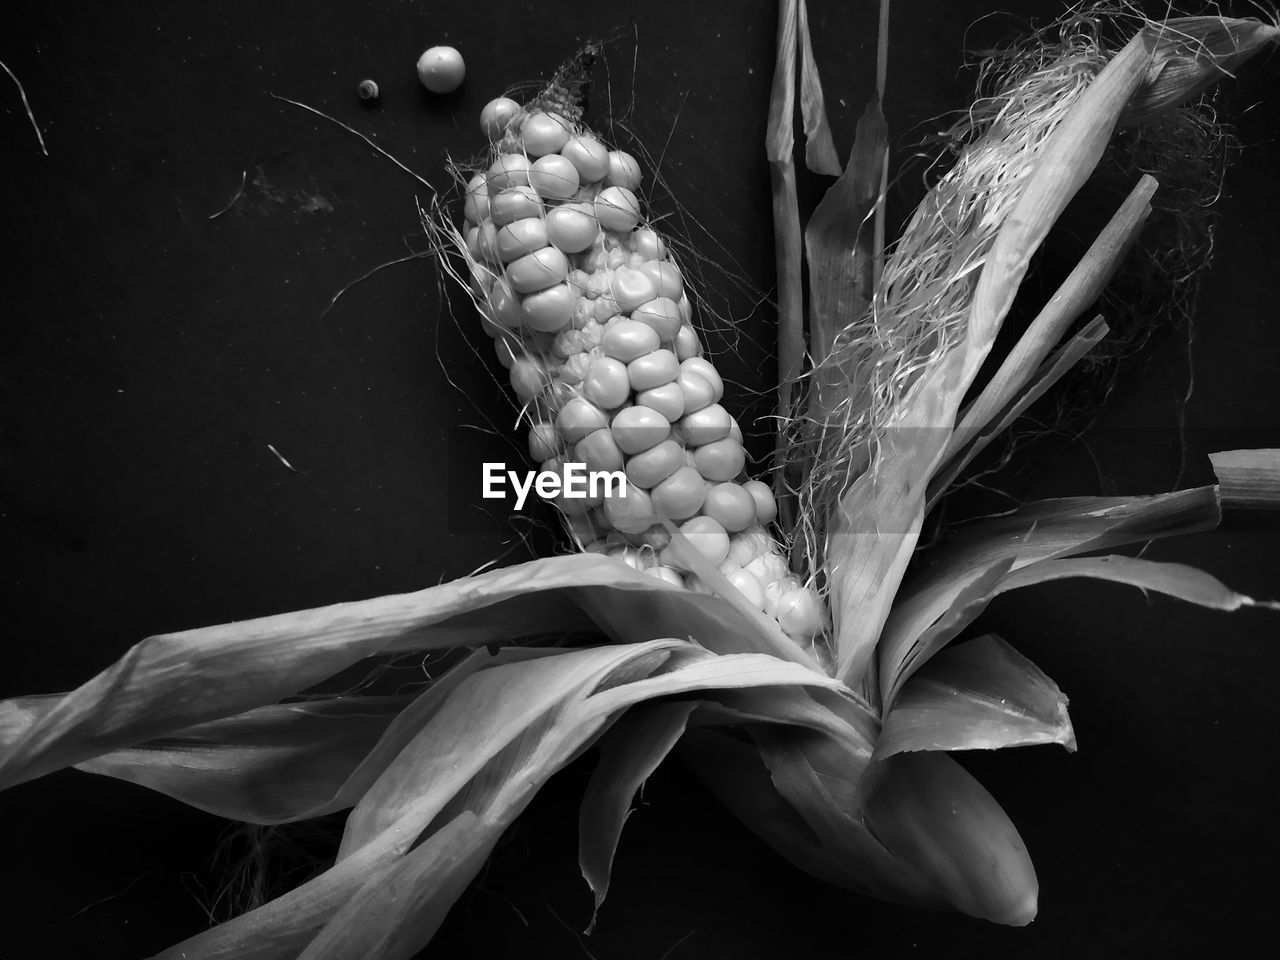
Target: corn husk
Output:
[(794, 51), (1021, 397), (474, 768), (1248, 479), (847, 775), (173, 681), (629, 754), (964, 574), (1192, 55), (977, 695), (1081, 289), (874, 533)]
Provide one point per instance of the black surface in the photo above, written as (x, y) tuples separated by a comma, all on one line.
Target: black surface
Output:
[(151, 354)]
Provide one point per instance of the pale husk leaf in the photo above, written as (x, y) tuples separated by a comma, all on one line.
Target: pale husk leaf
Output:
[(779, 149), (819, 149), (935, 816), (1042, 380), (1081, 289), (977, 695), (1248, 479), (629, 754), (1040, 531), (395, 913), (268, 765), (484, 715), (878, 521), (1171, 579), (173, 681), (421, 788), (1193, 54), (840, 237)]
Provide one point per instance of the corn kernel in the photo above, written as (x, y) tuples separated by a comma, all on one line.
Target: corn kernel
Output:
[(704, 535), (495, 116), (572, 228), (667, 399), (636, 429), (650, 468), (686, 343), (617, 209), (730, 504), (528, 377), (599, 451), (578, 418), (653, 370), (626, 340), (554, 177), (589, 155), (544, 442), (630, 514), (720, 460), (631, 288), (666, 277), (512, 204), (509, 170), (648, 244), (476, 206), (680, 495), (707, 425), (606, 384), (543, 133), (623, 171), (521, 238), (538, 270), (747, 585), (705, 370), (766, 506), (550, 310)]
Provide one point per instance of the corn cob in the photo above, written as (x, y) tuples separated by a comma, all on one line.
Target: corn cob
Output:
[(590, 315)]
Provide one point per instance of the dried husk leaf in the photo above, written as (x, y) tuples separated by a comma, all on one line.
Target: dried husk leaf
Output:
[(732, 770), (1172, 579), (845, 718), (396, 913), (809, 807), (268, 765), (1040, 531), (629, 754), (1248, 479), (878, 522), (1080, 290), (1193, 54), (1062, 168), (936, 817), (780, 149), (821, 778), (977, 695), (819, 149), (173, 681), (887, 841), (840, 239), (486, 713), (261, 766), (421, 787), (1049, 373)]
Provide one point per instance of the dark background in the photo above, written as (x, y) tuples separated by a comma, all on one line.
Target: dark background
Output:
[(151, 354)]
